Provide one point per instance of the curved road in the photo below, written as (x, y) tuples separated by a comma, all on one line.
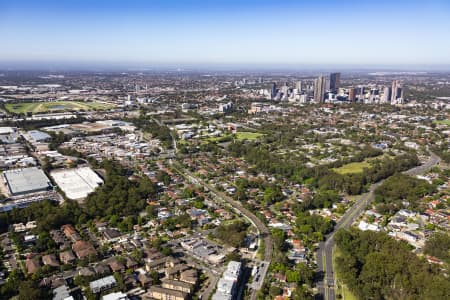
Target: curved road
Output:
[(263, 231), (325, 251)]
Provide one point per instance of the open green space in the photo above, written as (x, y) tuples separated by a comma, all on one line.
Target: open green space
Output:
[(246, 135), (57, 106), (351, 168), (442, 122)]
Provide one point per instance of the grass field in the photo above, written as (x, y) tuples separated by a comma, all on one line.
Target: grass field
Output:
[(442, 122), (245, 135), (351, 168), (57, 106)]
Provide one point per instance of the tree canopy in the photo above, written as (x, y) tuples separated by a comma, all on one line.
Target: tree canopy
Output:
[(375, 266)]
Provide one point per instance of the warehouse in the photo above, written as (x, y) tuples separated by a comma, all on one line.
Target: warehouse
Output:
[(77, 183), (38, 136), (27, 180)]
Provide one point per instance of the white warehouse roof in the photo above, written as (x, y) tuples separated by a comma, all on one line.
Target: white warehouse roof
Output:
[(77, 183)]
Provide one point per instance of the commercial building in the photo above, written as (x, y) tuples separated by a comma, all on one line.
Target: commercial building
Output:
[(319, 89), (26, 181), (335, 82), (273, 91), (351, 94), (77, 183), (397, 91)]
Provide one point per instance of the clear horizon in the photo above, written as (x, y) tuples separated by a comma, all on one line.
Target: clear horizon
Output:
[(203, 34)]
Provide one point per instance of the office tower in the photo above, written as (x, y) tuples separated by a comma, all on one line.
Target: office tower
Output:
[(352, 94), (335, 81), (373, 96), (319, 89), (285, 90), (299, 86), (359, 91), (273, 91), (387, 94), (397, 90)]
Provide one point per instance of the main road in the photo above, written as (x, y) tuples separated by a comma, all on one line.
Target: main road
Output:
[(263, 230), (326, 287)]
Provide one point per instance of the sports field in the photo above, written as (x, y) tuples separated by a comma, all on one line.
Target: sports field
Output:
[(351, 168), (57, 106), (244, 135), (442, 122)]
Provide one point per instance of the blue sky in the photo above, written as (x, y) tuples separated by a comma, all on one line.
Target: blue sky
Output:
[(226, 32)]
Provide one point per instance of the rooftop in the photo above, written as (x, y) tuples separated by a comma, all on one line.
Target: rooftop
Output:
[(37, 135), (102, 282), (28, 180), (77, 183)]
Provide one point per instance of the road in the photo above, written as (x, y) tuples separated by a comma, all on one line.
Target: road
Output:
[(263, 230), (326, 287), (212, 273)]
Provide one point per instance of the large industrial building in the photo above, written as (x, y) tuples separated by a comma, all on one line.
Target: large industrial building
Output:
[(77, 183), (26, 181)]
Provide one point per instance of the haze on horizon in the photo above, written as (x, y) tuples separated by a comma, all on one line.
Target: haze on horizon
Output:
[(225, 33)]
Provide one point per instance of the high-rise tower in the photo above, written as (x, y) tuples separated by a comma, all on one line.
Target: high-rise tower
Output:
[(335, 82), (397, 90), (319, 89)]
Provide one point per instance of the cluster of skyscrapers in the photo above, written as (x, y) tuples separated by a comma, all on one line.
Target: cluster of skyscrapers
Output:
[(322, 85), (328, 89)]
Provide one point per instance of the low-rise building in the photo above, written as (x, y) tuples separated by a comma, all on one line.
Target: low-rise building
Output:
[(83, 249), (160, 293), (102, 284)]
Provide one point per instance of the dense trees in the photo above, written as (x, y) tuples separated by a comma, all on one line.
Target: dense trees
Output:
[(157, 131), (57, 139), (233, 233), (29, 290), (118, 198), (438, 245), (325, 198), (400, 188), (375, 266), (272, 194), (313, 227), (323, 177), (47, 214)]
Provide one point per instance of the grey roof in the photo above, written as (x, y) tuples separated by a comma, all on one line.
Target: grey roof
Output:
[(38, 135), (102, 282), (26, 180)]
